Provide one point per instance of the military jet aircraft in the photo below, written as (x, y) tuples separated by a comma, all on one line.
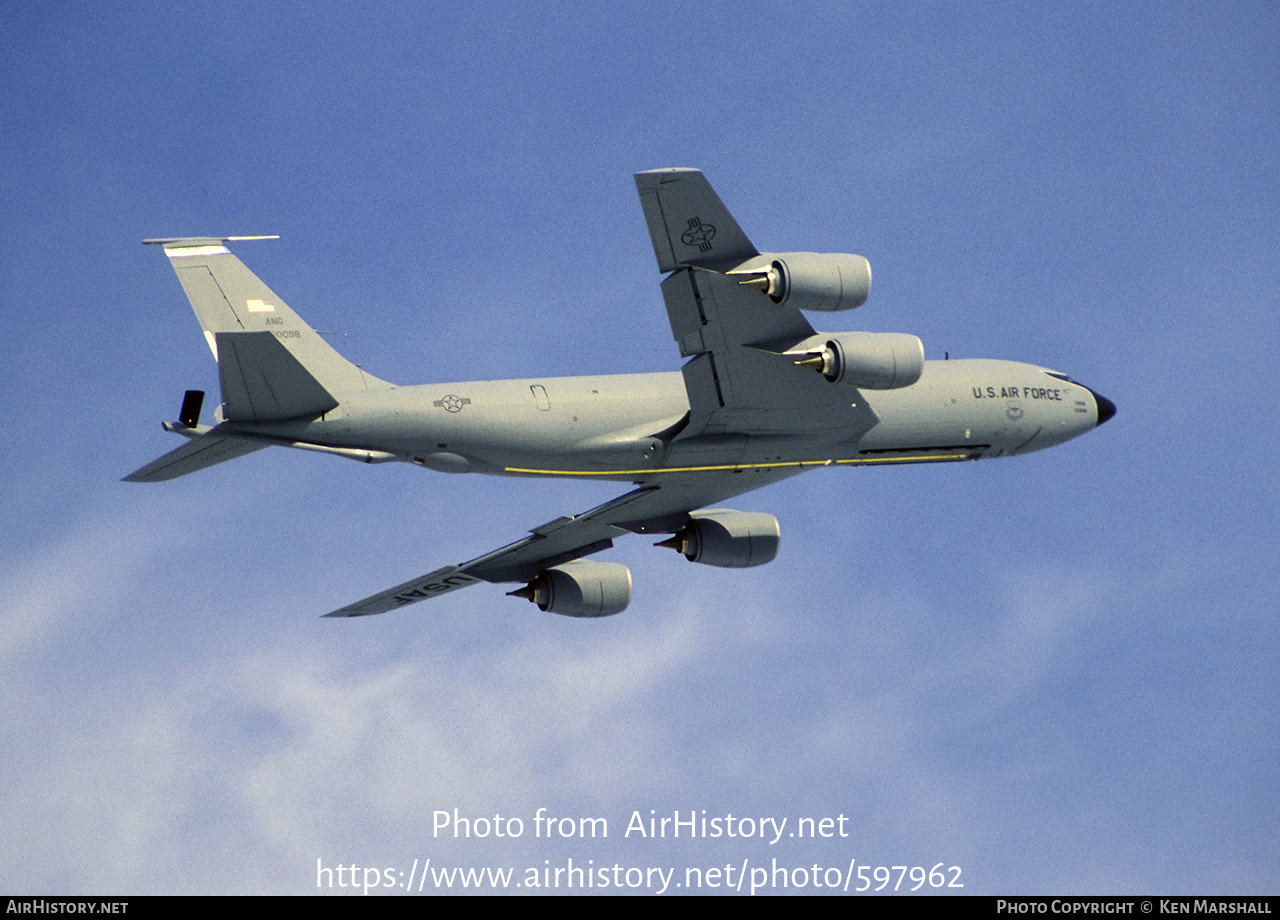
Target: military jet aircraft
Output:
[(762, 397)]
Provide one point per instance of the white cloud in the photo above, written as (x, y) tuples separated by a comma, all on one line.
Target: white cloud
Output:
[(236, 769), (234, 765), (86, 571)]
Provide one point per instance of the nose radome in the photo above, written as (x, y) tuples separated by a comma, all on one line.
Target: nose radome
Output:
[(1106, 408)]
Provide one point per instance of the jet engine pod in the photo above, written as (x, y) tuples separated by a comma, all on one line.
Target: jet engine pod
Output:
[(870, 360), (581, 589), (826, 282), (728, 539)]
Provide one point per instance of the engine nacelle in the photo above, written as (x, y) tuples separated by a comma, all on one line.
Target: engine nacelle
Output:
[(869, 360), (581, 589), (728, 539), (812, 280)]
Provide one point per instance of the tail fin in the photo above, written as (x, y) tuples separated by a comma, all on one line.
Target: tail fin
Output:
[(272, 365)]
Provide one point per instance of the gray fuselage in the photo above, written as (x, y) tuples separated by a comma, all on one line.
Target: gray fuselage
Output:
[(612, 427)]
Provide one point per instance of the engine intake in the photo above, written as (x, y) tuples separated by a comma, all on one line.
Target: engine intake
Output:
[(826, 282), (581, 589), (728, 539), (869, 360)]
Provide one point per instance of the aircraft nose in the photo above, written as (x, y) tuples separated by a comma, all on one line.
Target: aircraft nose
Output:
[(1106, 408)]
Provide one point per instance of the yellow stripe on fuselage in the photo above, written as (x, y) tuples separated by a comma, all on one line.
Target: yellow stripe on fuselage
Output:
[(734, 467)]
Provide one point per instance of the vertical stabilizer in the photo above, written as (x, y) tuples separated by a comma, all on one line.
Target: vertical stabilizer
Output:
[(229, 300)]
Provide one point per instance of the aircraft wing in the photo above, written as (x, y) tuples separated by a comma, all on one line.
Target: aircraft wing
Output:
[(737, 380), (652, 508)]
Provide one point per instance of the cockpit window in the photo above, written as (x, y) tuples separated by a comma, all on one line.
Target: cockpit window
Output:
[(1058, 376)]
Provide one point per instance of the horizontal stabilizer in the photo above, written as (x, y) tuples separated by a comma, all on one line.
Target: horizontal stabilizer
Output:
[(262, 380), (200, 452)]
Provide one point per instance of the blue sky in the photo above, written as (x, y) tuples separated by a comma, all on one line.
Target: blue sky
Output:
[(1057, 671)]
